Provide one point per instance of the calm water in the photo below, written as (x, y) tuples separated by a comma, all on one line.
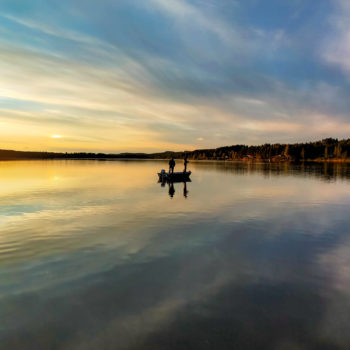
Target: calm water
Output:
[(98, 255)]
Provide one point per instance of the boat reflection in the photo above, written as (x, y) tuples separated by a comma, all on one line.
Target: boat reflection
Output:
[(171, 187), (185, 190)]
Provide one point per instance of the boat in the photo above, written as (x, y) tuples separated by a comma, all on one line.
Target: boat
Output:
[(182, 176)]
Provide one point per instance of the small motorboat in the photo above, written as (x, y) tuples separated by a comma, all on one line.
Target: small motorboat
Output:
[(182, 176)]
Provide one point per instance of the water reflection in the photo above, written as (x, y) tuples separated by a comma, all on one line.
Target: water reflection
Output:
[(171, 186), (325, 171), (257, 258), (171, 189), (185, 190)]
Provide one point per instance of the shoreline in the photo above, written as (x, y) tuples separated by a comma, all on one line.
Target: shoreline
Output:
[(265, 161)]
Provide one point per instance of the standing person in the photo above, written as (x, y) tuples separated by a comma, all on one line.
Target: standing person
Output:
[(185, 163), (171, 165)]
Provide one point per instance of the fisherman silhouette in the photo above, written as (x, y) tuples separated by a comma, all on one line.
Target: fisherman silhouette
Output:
[(171, 165), (185, 163)]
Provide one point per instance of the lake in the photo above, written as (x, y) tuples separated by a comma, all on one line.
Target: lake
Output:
[(99, 255)]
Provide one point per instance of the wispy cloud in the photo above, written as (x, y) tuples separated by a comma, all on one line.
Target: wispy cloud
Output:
[(186, 15), (336, 48), (160, 75)]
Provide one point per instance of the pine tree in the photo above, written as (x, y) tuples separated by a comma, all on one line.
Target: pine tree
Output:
[(338, 151)]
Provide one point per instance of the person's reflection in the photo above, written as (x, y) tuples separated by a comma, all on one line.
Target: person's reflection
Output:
[(185, 190), (171, 189)]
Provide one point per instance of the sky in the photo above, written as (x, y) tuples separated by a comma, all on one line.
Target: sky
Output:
[(156, 75)]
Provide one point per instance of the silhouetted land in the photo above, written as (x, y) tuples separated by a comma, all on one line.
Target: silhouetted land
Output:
[(329, 149)]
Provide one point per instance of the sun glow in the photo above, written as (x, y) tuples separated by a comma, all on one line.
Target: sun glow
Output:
[(56, 136)]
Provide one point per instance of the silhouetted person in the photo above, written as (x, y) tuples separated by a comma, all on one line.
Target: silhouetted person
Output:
[(186, 161), (171, 165), (185, 190), (171, 190)]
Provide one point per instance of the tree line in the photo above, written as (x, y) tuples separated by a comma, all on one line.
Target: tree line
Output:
[(18, 155), (328, 149)]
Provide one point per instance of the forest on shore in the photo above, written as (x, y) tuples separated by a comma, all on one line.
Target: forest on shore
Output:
[(328, 149)]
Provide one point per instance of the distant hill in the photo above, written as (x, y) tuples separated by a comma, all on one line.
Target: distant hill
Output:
[(325, 150), (13, 155)]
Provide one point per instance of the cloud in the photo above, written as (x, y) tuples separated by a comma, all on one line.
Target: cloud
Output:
[(187, 14), (336, 48), (168, 71), (54, 30)]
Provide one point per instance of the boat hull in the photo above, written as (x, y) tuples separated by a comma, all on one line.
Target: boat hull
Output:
[(174, 177)]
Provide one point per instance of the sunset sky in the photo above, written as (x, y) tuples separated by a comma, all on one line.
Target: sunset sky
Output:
[(156, 75)]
